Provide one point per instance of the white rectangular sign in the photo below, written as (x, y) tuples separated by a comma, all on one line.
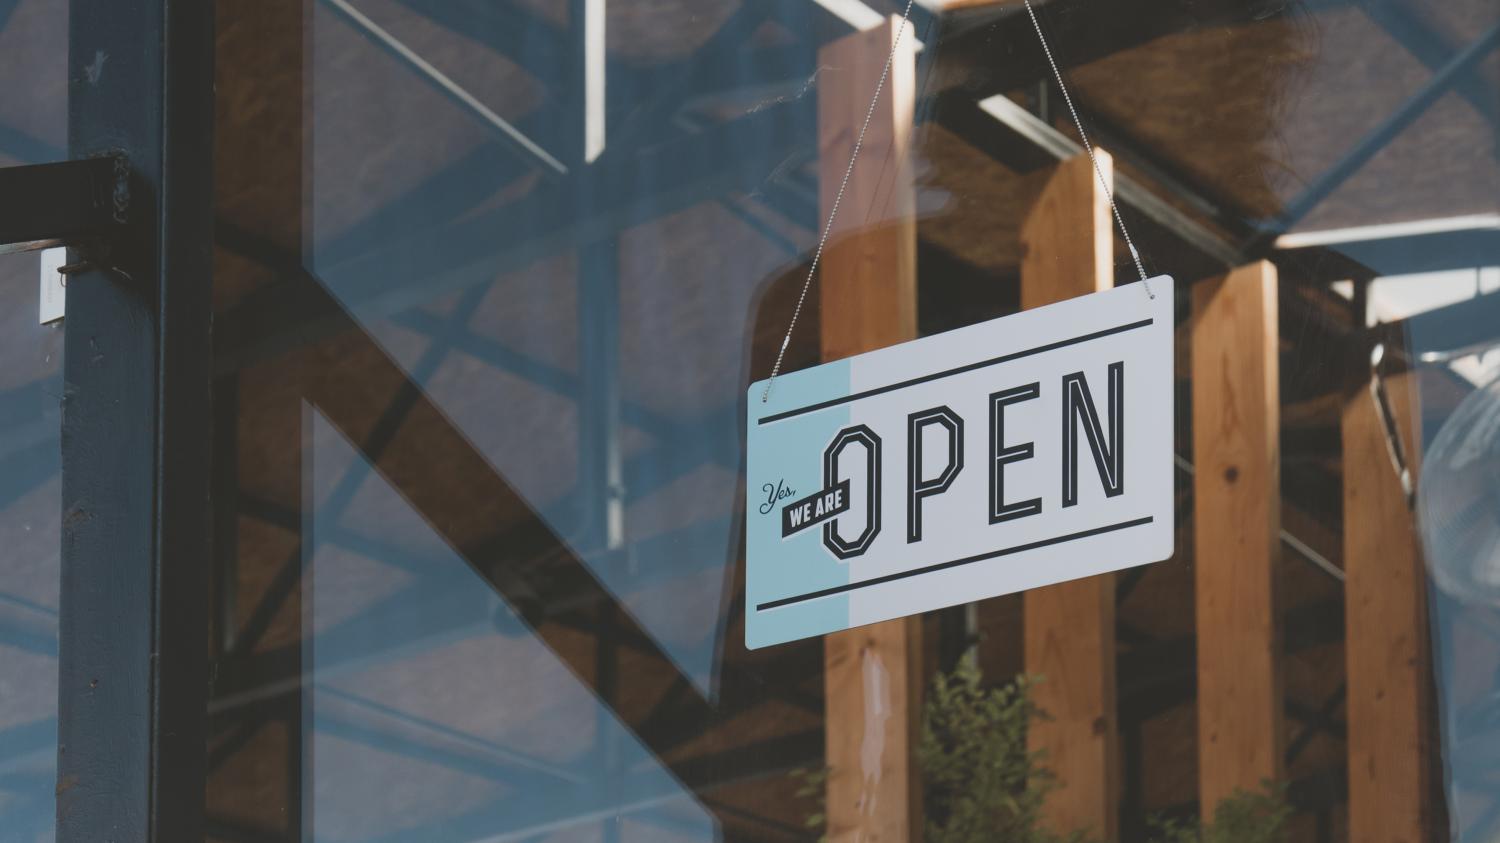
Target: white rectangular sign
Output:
[(52, 293), (1012, 454)]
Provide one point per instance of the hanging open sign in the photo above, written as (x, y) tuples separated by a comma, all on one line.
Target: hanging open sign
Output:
[(1016, 453)]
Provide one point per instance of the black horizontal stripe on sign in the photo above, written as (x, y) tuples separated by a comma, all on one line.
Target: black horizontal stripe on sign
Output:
[(993, 361), (941, 566)]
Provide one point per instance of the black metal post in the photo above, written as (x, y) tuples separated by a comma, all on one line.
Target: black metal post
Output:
[(134, 633)]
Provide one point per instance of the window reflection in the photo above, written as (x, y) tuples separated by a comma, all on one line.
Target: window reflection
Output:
[(479, 435), (30, 522), (435, 714), (33, 130)]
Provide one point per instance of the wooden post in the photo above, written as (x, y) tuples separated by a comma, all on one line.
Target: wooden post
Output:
[(1385, 620), (869, 300), (1237, 525), (1067, 245)]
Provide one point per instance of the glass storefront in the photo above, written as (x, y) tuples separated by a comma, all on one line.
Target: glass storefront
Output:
[(491, 279)]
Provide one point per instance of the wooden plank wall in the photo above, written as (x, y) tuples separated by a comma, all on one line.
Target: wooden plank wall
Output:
[(1067, 247), (1237, 525), (1385, 627), (868, 281)]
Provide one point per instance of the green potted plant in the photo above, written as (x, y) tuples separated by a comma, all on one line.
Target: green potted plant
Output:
[(982, 784), (1242, 817)]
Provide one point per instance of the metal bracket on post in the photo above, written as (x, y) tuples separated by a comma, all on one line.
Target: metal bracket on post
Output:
[(81, 204)]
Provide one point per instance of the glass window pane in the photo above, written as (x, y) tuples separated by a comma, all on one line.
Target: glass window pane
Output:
[(33, 129), (485, 328), (31, 388)]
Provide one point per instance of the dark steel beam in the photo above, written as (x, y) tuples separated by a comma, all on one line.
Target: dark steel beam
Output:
[(1316, 721), (1000, 51), (510, 565), (461, 183), (539, 46), (65, 202), (1469, 325), (1379, 137), (407, 396), (999, 125), (663, 91), (1387, 250), (527, 148), (542, 223), (648, 184), (133, 631), (511, 29), (1162, 173), (960, 113), (1412, 30)]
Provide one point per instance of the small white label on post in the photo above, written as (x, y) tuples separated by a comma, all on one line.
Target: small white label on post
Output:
[(53, 285)]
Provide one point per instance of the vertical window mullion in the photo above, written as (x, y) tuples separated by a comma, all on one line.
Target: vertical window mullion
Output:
[(133, 629)]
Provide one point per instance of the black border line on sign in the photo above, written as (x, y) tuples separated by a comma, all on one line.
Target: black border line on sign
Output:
[(993, 361), (967, 560)]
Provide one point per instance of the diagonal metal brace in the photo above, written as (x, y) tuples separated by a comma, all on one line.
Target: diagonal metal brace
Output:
[(75, 203)]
